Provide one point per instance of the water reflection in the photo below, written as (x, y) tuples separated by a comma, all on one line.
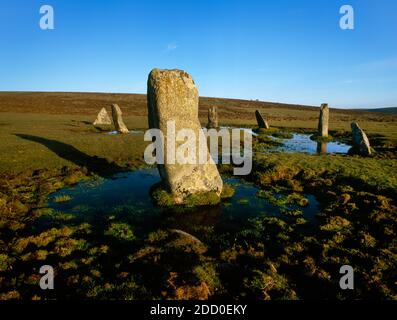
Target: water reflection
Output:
[(303, 143), (322, 147), (126, 196)]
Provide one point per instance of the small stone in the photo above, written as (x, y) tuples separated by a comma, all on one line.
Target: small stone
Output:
[(102, 118), (212, 118), (118, 119), (360, 140), (262, 123)]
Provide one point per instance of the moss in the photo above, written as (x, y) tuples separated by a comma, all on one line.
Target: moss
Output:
[(243, 201), (283, 135), (336, 224), (5, 262), (163, 198), (62, 198), (317, 138), (227, 191), (202, 199), (121, 231), (207, 273)]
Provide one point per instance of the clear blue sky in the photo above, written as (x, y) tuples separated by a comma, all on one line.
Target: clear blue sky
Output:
[(286, 51)]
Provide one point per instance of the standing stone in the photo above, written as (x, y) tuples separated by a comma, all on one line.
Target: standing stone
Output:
[(323, 121), (118, 119), (212, 118), (173, 96), (262, 123), (102, 118), (360, 140)]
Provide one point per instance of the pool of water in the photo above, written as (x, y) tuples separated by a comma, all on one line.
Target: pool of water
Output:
[(127, 195), (303, 143), (114, 133)]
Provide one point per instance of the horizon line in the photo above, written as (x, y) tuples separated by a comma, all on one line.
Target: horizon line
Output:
[(207, 97)]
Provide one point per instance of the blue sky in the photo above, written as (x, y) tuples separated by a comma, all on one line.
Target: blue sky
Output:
[(284, 51)]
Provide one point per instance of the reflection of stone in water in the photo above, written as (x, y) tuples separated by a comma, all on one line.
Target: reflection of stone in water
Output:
[(192, 220), (321, 147)]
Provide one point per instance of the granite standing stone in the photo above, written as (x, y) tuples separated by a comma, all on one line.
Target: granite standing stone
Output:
[(212, 118), (323, 121), (118, 119), (360, 140), (102, 118), (173, 96), (262, 123)]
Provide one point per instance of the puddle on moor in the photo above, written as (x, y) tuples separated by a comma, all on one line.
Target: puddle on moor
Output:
[(302, 143), (127, 195)]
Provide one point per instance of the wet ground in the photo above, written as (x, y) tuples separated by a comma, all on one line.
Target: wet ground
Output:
[(128, 194), (303, 143)]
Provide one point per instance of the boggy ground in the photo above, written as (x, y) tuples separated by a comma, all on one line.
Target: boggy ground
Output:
[(284, 257)]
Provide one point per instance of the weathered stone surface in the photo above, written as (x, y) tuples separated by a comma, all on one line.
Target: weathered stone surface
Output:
[(360, 140), (323, 121), (262, 123), (212, 118), (118, 119), (173, 96), (102, 118)]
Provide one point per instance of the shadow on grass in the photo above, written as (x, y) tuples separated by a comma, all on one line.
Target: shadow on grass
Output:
[(94, 164)]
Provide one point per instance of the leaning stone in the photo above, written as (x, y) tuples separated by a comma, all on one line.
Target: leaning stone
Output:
[(102, 118), (262, 123), (360, 140), (118, 119), (173, 96), (212, 118), (323, 121)]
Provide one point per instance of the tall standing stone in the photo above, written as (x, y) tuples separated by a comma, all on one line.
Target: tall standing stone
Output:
[(360, 140), (173, 98), (212, 118), (262, 123), (323, 121), (118, 119), (102, 118)]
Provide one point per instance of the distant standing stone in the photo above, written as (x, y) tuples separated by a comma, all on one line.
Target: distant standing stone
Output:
[(262, 123), (102, 118), (212, 118), (173, 96), (360, 140), (118, 119), (323, 121)]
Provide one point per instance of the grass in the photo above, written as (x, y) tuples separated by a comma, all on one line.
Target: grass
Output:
[(62, 198), (164, 198), (47, 143), (36, 127)]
